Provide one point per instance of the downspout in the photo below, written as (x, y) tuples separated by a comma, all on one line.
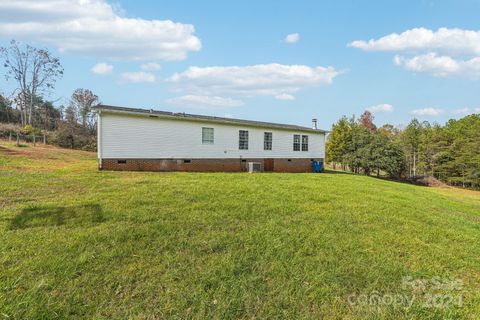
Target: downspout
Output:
[(99, 139)]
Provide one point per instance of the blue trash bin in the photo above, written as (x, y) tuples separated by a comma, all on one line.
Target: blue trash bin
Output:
[(317, 166)]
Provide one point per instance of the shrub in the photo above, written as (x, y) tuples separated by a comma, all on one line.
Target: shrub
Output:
[(74, 137), (8, 128), (28, 129)]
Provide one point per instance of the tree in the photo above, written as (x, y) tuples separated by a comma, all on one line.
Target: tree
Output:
[(450, 153), (411, 140), (7, 113), (387, 156), (71, 115), (46, 116), (35, 71), (83, 100), (458, 159), (388, 131), (366, 121), (426, 149), (356, 153), (337, 142), (358, 145)]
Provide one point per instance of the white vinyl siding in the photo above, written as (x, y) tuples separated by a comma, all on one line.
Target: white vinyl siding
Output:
[(140, 137)]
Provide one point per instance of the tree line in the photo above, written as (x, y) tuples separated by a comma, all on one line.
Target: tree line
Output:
[(33, 73), (449, 153)]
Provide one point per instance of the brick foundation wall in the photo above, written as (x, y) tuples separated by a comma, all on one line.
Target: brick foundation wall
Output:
[(294, 165), (203, 165)]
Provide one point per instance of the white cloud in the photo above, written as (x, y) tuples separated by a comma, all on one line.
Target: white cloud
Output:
[(95, 28), (442, 53), (455, 41), (385, 107), (250, 81), (440, 66), (427, 112), (292, 38), (205, 101), (102, 68), (452, 112), (461, 111), (151, 66), (138, 77), (284, 96)]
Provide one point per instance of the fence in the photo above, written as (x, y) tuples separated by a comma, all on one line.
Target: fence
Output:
[(26, 138)]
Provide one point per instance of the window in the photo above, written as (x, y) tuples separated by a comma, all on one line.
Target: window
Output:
[(243, 140), (296, 142), (207, 135), (267, 141), (304, 143)]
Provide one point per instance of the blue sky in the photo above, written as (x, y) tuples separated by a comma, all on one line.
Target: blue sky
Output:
[(232, 59)]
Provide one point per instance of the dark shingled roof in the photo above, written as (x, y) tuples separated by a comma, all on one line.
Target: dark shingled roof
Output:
[(186, 116)]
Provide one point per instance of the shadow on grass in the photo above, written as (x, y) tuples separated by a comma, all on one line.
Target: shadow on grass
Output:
[(384, 178), (48, 216), (331, 171)]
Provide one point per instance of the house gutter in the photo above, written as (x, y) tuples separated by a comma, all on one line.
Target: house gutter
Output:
[(155, 115)]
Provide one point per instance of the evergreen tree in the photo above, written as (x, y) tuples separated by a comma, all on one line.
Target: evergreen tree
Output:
[(337, 142)]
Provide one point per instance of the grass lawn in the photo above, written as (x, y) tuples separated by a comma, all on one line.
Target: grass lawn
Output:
[(79, 243)]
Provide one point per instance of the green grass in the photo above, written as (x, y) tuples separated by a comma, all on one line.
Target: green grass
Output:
[(79, 243)]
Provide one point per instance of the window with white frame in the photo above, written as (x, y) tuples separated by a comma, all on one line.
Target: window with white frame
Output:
[(207, 135), (296, 142), (267, 140), (304, 143), (243, 140)]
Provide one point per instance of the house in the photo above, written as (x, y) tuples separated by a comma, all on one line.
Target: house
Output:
[(139, 139)]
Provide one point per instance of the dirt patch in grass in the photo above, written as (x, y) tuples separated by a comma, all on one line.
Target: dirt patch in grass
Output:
[(41, 151), (41, 158), (9, 152), (430, 182)]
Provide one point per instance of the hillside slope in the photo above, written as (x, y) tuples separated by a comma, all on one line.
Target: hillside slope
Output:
[(75, 242)]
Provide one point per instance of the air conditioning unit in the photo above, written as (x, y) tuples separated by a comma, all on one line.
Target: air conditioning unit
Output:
[(254, 167)]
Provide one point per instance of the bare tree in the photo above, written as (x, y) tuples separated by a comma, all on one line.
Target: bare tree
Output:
[(83, 100), (35, 71)]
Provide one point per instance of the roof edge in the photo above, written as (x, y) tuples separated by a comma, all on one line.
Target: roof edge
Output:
[(195, 117)]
